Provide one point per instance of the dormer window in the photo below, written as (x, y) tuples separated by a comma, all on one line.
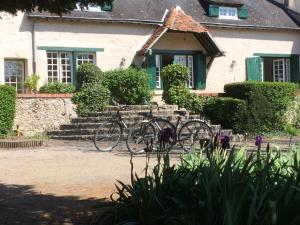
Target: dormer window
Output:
[(228, 13)]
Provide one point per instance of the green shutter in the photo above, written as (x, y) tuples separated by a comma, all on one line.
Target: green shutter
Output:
[(200, 73), (295, 75), (107, 6), (243, 12), (151, 70), (213, 11), (254, 68)]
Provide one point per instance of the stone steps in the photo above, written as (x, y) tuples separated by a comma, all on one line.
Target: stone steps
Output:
[(84, 127)]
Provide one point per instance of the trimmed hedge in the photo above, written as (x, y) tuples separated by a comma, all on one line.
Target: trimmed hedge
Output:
[(278, 93), (128, 86), (57, 88), (88, 73), (225, 111), (7, 108), (92, 98)]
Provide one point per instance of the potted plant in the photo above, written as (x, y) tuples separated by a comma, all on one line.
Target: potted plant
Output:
[(31, 82)]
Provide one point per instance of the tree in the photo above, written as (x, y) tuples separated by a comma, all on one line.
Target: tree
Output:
[(53, 6)]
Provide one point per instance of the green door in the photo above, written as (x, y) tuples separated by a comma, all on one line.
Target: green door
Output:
[(254, 68), (151, 70)]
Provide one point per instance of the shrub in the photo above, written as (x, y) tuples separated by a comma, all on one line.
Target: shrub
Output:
[(31, 82), (88, 73), (279, 94), (91, 98), (57, 88), (225, 111), (175, 79), (7, 108), (128, 86), (267, 103)]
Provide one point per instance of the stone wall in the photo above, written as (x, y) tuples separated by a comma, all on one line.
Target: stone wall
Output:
[(39, 115)]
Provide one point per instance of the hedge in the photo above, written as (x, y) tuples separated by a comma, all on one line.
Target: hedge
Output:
[(57, 88), (225, 111), (7, 108), (88, 73), (128, 86)]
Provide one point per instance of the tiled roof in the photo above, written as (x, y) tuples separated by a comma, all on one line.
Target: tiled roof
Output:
[(262, 13), (176, 20)]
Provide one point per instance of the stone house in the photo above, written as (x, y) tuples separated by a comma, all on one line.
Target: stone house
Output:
[(220, 41)]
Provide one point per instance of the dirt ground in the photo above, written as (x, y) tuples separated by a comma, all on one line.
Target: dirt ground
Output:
[(62, 182)]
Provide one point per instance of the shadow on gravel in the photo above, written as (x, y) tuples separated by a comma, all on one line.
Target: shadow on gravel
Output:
[(21, 205)]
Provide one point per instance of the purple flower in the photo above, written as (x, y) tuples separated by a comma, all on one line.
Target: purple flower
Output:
[(165, 135), (225, 141), (258, 140)]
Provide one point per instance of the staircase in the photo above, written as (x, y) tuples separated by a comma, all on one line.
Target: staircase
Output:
[(83, 128)]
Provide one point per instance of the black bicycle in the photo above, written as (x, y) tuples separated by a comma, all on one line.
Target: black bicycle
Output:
[(109, 133), (191, 134)]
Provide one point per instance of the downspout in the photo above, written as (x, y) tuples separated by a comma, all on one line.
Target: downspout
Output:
[(33, 48)]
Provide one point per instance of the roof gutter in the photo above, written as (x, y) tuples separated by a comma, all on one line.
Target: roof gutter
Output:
[(107, 20), (222, 25)]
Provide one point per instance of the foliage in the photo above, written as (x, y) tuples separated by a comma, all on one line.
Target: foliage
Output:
[(225, 111), (226, 188), (278, 93), (7, 108), (175, 79), (31, 82), (53, 6), (128, 86), (57, 88), (88, 73), (91, 98)]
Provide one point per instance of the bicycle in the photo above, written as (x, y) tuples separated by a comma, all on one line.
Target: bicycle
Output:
[(191, 135), (108, 134)]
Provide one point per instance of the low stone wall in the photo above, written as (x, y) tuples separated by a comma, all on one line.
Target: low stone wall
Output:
[(39, 114)]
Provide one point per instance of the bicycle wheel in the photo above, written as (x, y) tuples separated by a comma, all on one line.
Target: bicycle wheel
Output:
[(140, 136), (108, 135), (166, 134), (195, 135)]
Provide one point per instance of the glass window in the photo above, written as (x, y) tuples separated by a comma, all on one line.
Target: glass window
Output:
[(14, 73), (158, 68), (281, 70), (228, 13), (85, 57), (59, 66)]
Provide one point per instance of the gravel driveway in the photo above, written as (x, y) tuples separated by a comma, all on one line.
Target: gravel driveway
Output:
[(59, 183)]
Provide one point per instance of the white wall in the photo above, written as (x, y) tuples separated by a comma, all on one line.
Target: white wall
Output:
[(15, 41), (240, 44)]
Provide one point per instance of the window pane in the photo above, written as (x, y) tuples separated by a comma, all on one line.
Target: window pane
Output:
[(85, 57), (66, 67), (52, 67), (158, 78), (14, 73)]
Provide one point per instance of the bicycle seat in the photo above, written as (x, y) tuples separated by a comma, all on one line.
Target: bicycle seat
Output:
[(181, 112)]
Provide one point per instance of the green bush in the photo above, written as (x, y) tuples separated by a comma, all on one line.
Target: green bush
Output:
[(225, 111), (128, 86), (267, 103), (91, 98), (7, 108), (88, 73), (31, 82), (175, 79), (57, 88)]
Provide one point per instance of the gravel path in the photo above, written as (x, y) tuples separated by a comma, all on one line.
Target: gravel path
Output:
[(61, 182)]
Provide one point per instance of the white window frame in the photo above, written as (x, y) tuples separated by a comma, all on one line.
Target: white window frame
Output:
[(61, 68), (157, 71), (85, 60), (282, 74), (16, 75), (228, 13)]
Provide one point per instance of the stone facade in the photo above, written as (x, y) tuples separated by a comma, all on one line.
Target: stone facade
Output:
[(39, 115)]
